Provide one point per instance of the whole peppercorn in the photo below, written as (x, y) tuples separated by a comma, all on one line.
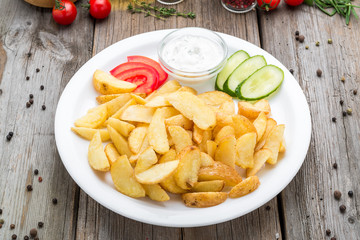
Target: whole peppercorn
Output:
[(355, 92), (333, 238), (31, 101), (328, 232), (31, 96), (26, 237), (344, 114), (318, 73), (43, 107), (12, 226), (42, 87), (297, 38), (335, 165), (329, 41), (37, 70), (341, 102), (0, 211), (8, 137), (40, 224), (349, 111), (33, 232), (337, 194), (268, 208), (301, 38), (342, 208), (11, 134), (29, 188), (342, 79), (306, 47), (40, 179), (350, 193), (317, 43), (2, 221), (27, 78), (291, 71), (28, 104), (36, 172), (333, 119), (14, 236), (54, 201), (297, 33)]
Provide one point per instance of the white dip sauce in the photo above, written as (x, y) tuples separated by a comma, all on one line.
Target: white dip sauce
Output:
[(192, 53)]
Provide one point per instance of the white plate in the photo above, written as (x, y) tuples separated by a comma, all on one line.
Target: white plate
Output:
[(288, 106)]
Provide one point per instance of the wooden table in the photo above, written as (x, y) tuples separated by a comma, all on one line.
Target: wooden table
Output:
[(30, 40)]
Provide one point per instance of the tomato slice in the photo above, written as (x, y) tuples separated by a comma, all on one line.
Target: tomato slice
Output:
[(138, 76), (141, 59), (129, 65)]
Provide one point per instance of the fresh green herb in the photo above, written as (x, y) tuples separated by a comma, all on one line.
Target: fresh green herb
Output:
[(157, 12)]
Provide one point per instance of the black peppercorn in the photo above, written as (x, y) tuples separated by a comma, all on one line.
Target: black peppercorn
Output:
[(0, 211), (37, 70), (26, 237), (36, 172), (31, 101), (29, 188), (344, 114), (11, 134), (54, 201), (350, 193), (268, 208), (335, 165), (297, 38), (28, 104), (292, 71), (31, 96), (333, 119), (342, 208), (42, 87), (355, 92), (8, 137), (14, 236), (12, 226), (337, 194), (301, 38), (328, 232), (27, 78), (43, 107), (341, 102), (297, 33), (40, 224), (318, 73)]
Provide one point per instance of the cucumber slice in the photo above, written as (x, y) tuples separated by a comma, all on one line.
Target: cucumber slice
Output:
[(261, 83), (242, 72), (232, 62)]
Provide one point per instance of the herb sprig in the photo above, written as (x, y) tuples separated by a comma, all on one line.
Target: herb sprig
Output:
[(158, 12)]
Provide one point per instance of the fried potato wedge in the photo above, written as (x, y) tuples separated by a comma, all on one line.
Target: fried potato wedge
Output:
[(168, 87), (203, 199), (207, 135), (145, 144), (106, 98), (270, 123), (169, 112), (228, 107), (208, 186), (124, 128), (193, 108), (122, 175), (247, 186), (215, 98), (260, 158), (136, 139), (252, 111), (242, 125), (273, 141), (211, 148), (187, 89), (146, 160), (157, 132), (105, 83), (138, 113), (155, 192), (138, 99), (197, 134), (206, 160), (282, 148), (187, 172), (168, 156), (245, 146), (158, 101), (226, 152), (119, 142), (180, 137), (88, 133), (219, 171), (157, 173), (179, 120), (118, 114), (223, 133), (114, 105), (111, 153), (94, 118), (96, 155), (260, 125)]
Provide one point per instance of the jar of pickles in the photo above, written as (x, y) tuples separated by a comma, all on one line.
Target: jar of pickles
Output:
[(238, 6)]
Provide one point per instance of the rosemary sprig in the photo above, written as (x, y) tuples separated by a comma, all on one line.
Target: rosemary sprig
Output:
[(157, 12), (343, 7)]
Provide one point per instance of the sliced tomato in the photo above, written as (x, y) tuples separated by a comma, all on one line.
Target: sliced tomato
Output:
[(141, 59), (138, 76), (129, 65)]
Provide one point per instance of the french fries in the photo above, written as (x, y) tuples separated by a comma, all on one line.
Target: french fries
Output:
[(176, 141)]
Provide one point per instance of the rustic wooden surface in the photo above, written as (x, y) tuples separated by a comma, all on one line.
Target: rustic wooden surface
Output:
[(30, 39)]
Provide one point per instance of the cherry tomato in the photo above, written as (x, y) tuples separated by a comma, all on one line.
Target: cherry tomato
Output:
[(294, 3), (268, 4), (99, 9), (64, 12)]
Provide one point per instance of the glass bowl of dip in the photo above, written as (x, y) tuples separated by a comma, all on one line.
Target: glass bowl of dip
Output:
[(192, 55)]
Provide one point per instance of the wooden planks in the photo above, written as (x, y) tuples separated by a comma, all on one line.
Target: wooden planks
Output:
[(309, 200), (30, 39)]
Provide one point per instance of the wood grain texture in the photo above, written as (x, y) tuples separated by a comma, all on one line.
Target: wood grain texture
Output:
[(31, 39), (308, 203), (95, 221)]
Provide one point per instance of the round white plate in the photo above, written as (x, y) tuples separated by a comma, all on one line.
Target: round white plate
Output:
[(288, 106)]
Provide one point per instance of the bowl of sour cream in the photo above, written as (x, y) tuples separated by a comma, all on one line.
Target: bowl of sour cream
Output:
[(192, 55)]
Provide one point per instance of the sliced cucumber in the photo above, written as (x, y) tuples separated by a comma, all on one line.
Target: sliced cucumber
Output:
[(261, 83), (232, 62), (242, 72)]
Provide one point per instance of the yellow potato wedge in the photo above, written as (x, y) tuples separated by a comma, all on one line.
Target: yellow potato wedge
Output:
[(260, 158), (260, 125), (215, 98), (247, 186), (157, 132), (155, 192), (193, 108), (187, 172), (208, 186), (180, 137), (157, 173), (228, 108), (118, 114), (105, 83), (168, 156), (169, 112), (136, 139), (211, 148), (122, 175), (207, 135), (270, 123), (188, 89), (111, 153), (106, 98), (88, 133), (245, 146), (223, 119), (158, 101), (197, 134), (252, 111), (94, 118), (219, 171), (223, 133), (138, 99), (114, 105), (138, 113), (168, 87), (145, 144), (203, 199), (273, 141), (226, 152), (206, 160), (146, 160), (282, 148), (96, 155), (179, 120), (242, 125), (119, 142), (124, 128)]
